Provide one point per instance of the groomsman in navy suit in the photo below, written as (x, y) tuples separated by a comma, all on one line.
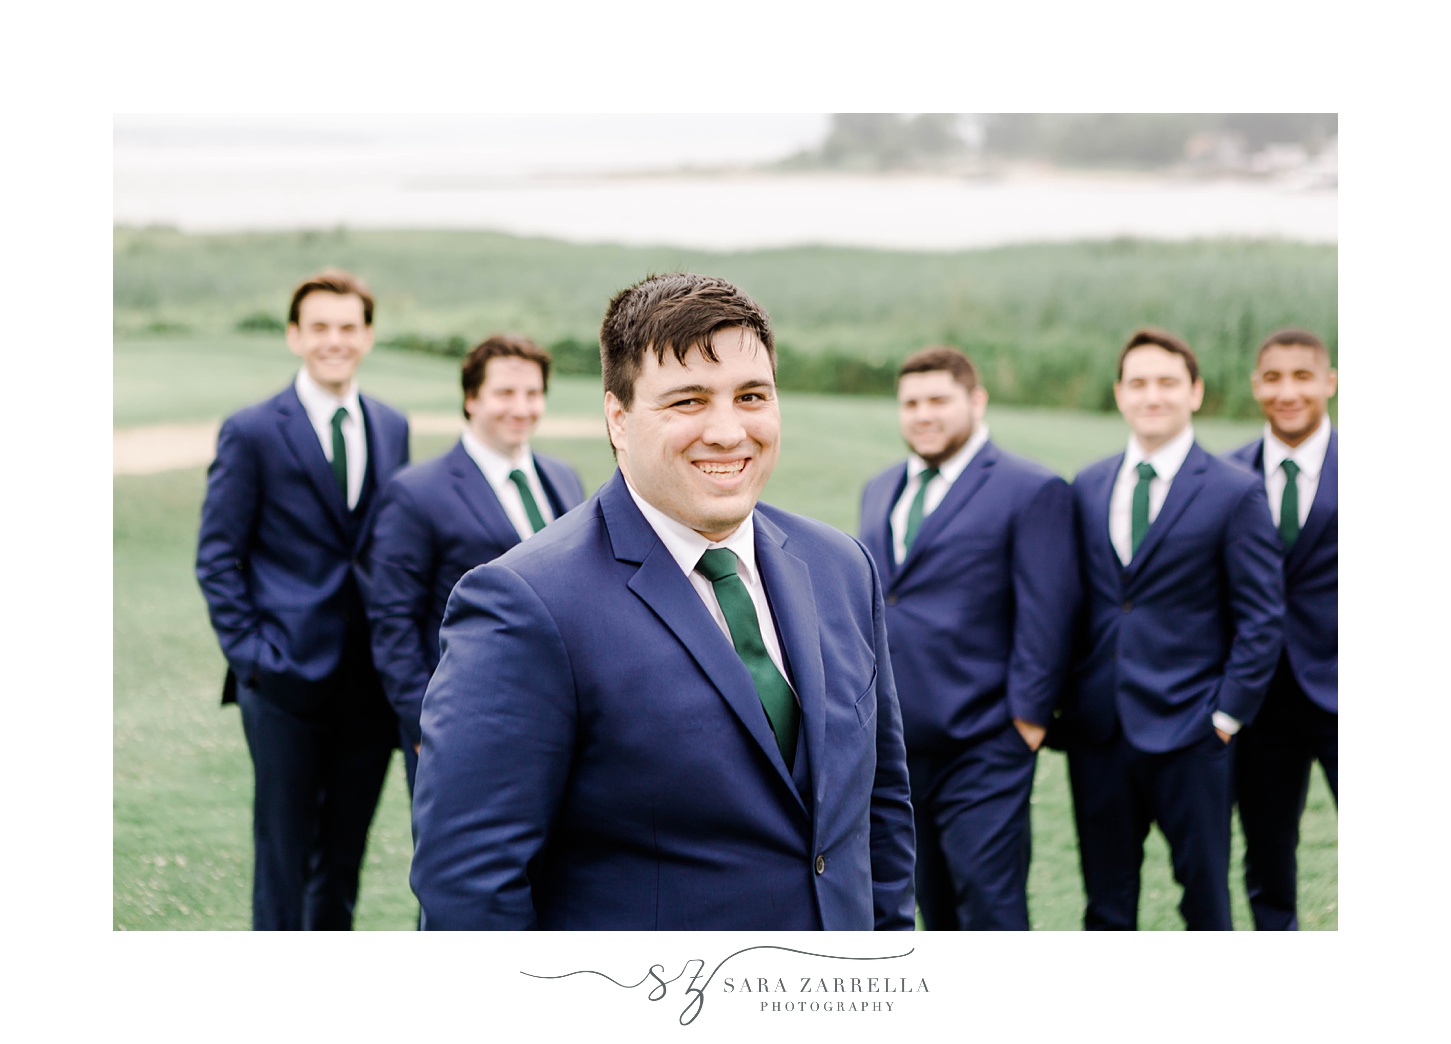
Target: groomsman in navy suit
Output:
[(288, 504), (439, 519), (1298, 461), (672, 709), (1184, 599), (976, 552)]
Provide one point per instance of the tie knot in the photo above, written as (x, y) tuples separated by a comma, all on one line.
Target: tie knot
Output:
[(717, 564), (517, 477), (1291, 468), (1146, 471), (928, 474), (338, 417)]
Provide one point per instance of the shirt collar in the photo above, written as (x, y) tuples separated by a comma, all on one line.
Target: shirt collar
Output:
[(321, 403), (1309, 456), (1167, 459), (686, 545), (954, 465), (495, 466)]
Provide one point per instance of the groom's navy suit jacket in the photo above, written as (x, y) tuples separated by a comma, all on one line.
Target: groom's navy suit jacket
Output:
[(595, 755)]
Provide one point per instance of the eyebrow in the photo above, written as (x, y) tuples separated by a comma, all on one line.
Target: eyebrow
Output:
[(701, 389)]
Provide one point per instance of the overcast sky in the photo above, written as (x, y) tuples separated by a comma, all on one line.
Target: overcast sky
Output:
[(498, 144)]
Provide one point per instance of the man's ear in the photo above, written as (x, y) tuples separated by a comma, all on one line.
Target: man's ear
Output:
[(615, 420)]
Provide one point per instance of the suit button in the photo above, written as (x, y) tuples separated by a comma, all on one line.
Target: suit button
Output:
[(1128, 606), (891, 599), (821, 864)]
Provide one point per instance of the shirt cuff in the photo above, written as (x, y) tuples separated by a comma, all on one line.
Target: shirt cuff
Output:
[(1224, 723)]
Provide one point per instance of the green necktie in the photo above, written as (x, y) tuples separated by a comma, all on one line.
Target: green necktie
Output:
[(1290, 504), (915, 512), (1140, 514), (530, 507), (718, 565), (340, 453)]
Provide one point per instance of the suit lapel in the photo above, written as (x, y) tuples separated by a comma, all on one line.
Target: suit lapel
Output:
[(1253, 456), (553, 483), (1322, 510), (479, 497), (793, 606), (958, 494), (1098, 533), (661, 585), (383, 458), (1182, 490), (301, 439), (877, 520), (386, 454)]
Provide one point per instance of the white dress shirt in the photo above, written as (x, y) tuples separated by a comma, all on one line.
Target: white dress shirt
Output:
[(1309, 456), (1166, 460), (686, 546), (320, 405), (946, 475), (496, 468)]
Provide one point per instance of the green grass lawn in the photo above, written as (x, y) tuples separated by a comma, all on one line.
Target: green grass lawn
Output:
[(182, 778)]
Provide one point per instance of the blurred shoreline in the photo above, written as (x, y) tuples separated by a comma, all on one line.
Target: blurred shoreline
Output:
[(207, 192)]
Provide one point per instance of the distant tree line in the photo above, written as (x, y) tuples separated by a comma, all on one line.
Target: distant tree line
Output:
[(831, 370), (1044, 322), (883, 141), (879, 141)]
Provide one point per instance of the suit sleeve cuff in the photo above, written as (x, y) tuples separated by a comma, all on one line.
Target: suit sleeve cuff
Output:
[(1224, 723)]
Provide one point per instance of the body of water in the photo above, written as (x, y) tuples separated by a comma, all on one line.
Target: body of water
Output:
[(742, 212), (533, 178)]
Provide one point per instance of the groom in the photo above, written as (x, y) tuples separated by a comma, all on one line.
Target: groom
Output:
[(672, 708)]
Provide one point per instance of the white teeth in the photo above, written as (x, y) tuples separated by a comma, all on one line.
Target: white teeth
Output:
[(712, 468)]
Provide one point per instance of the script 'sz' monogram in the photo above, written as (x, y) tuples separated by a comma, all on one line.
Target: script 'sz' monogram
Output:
[(695, 968)]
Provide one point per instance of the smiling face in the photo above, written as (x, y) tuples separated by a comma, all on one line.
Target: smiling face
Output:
[(701, 438), (1293, 383), (505, 410), (331, 336), (1156, 396), (937, 413)]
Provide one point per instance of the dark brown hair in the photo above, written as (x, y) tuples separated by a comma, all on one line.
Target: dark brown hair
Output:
[(675, 312), (1294, 337), (1160, 339), (331, 281), (495, 346), (940, 357)]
